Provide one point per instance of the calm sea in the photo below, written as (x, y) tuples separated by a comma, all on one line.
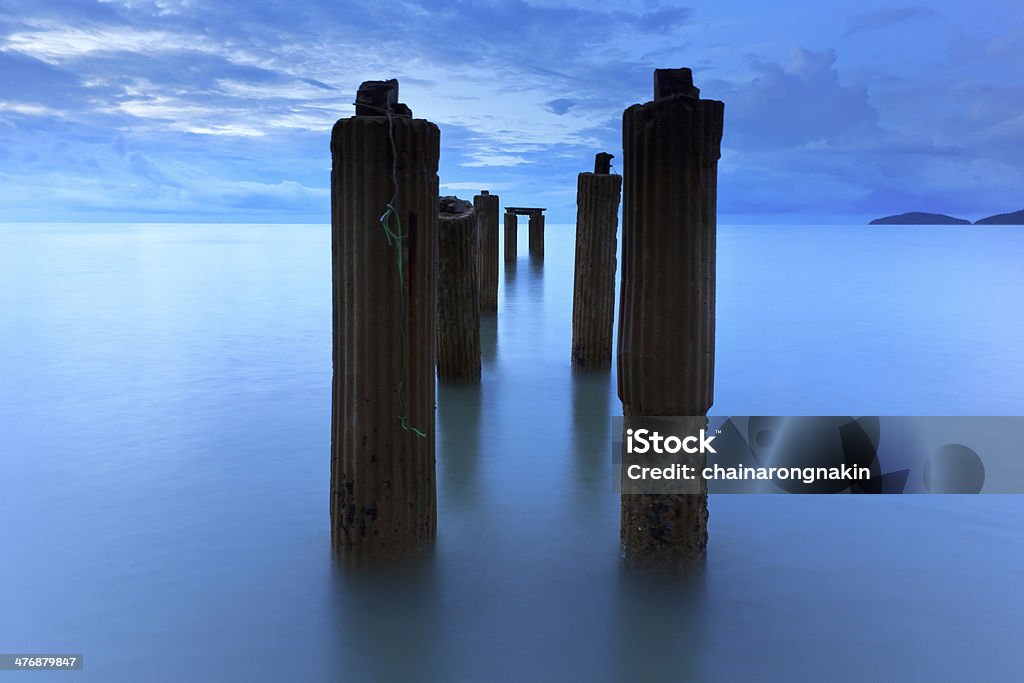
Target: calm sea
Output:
[(164, 416)]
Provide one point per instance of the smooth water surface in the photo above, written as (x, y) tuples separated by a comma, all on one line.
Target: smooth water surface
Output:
[(165, 427)]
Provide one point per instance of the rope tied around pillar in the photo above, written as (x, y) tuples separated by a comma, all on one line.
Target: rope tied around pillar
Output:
[(395, 238)]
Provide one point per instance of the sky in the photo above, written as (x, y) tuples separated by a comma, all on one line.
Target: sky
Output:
[(221, 111)]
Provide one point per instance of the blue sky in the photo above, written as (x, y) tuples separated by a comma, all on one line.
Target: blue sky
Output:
[(218, 110)]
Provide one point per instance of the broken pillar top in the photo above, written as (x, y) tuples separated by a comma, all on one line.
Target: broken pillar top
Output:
[(484, 192), (603, 163), (453, 207), (377, 98), (668, 82)]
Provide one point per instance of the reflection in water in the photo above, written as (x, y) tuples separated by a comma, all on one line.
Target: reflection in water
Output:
[(387, 623), (458, 444), (536, 265), (507, 295), (488, 338), (659, 634), (535, 282), (591, 416)]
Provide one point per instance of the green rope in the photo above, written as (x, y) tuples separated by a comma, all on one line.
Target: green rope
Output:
[(395, 237)]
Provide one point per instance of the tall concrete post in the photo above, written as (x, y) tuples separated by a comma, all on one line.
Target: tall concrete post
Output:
[(511, 236), (383, 493), (537, 234), (671, 149), (486, 206), (458, 292), (593, 300)]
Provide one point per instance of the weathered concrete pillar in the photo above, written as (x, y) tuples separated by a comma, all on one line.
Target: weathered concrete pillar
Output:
[(382, 433), (511, 236), (486, 206), (666, 319), (458, 292), (593, 299), (537, 234)]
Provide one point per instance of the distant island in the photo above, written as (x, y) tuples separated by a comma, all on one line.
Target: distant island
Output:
[(1013, 218), (922, 218), (919, 218)]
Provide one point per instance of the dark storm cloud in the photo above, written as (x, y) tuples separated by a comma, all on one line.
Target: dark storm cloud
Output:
[(799, 102)]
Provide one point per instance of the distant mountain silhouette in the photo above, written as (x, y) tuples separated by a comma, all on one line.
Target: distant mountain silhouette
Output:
[(1013, 218), (919, 218)]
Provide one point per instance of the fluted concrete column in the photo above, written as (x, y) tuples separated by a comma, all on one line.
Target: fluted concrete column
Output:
[(593, 300), (486, 206), (458, 292), (511, 236), (536, 228), (666, 320), (382, 472)]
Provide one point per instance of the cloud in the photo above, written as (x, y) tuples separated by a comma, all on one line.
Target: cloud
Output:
[(800, 102), (495, 160), (228, 77), (63, 44), (1000, 47), (663, 20), (27, 79), (559, 106), (28, 109), (185, 107), (884, 18)]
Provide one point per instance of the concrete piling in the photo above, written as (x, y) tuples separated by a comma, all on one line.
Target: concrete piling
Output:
[(666, 319), (486, 206), (383, 491), (593, 301), (536, 228), (511, 236), (458, 292)]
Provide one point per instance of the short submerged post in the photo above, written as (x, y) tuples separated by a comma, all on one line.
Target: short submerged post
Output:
[(458, 292), (486, 206), (665, 352), (593, 301), (511, 236), (536, 228), (384, 244)]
